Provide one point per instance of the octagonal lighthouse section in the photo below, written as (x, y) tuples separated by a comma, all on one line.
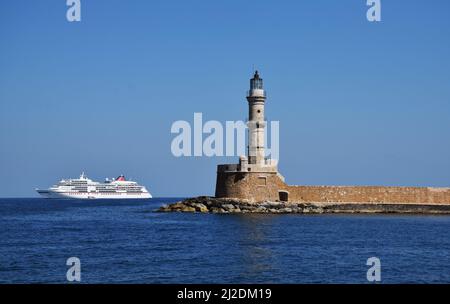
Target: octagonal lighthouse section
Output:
[(256, 98), (255, 160)]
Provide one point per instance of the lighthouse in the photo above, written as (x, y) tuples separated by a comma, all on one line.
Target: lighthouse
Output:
[(254, 178), (256, 98)]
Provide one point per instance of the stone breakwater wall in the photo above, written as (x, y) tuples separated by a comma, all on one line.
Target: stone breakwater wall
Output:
[(259, 187), (371, 194), (206, 204)]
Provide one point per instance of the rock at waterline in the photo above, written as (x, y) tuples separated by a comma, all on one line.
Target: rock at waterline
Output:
[(206, 204)]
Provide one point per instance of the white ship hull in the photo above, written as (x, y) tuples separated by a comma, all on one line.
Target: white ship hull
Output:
[(85, 188), (65, 195)]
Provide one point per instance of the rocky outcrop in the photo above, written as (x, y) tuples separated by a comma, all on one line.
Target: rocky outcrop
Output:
[(205, 204)]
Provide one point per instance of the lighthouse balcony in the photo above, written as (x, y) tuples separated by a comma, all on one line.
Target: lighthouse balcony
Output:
[(268, 166)]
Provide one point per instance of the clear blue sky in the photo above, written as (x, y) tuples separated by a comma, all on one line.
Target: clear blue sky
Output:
[(359, 103)]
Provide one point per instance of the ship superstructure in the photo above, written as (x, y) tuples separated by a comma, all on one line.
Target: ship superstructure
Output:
[(85, 188)]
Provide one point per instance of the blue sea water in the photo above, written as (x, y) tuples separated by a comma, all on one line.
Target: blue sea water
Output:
[(127, 242)]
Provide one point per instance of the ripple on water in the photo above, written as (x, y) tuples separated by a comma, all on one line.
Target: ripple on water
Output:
[(126, 242)]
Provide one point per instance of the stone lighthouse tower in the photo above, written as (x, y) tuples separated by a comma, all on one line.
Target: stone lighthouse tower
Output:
[(254, 178), (256, 98)]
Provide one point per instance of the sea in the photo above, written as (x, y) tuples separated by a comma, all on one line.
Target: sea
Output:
[(127, 241)]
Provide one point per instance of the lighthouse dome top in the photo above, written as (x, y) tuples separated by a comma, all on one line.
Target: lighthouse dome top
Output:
[(256, 86)]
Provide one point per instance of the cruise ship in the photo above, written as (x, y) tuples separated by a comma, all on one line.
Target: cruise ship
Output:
[(85, 188)]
